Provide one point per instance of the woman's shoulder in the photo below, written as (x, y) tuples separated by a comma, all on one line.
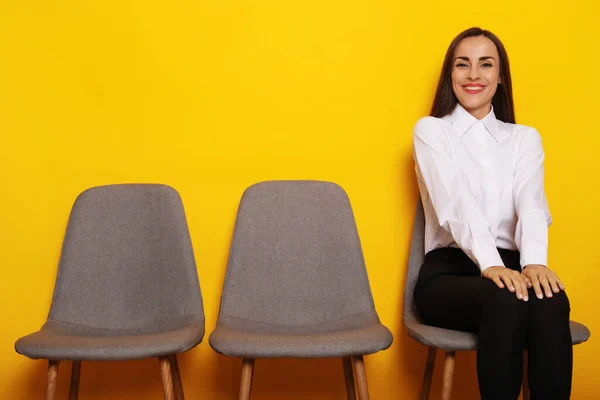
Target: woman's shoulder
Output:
[(430, 121), (430, 126), (520, 131)]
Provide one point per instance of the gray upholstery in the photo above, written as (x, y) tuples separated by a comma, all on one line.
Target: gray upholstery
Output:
[(579, 332), (127, 286), (296, 283), (445, 339)]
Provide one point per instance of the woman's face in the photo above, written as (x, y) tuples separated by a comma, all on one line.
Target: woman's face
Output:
[(476, 74)]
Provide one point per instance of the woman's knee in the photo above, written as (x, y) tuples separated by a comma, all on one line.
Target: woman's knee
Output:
[(557, 305), (503, 306), (504, 299), (503, 315)]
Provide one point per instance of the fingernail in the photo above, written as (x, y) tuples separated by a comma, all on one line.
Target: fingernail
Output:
[(520, 296), (562, 287), (539, 296), (526, 298), (555, 290), (549, 294), (512, 288)]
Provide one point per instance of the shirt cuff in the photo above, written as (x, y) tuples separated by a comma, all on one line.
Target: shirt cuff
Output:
[(488, 256), (534, 253)]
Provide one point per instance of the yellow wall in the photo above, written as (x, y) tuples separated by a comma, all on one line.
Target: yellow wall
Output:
[(211, 96)]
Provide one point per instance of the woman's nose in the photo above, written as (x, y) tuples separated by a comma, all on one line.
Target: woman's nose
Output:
[(473, 73)]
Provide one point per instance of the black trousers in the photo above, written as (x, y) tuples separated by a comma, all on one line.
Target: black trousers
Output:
[(450, 293)]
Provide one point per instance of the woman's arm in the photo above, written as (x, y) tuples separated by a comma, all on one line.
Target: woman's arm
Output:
[(531, 235), (448, 187)]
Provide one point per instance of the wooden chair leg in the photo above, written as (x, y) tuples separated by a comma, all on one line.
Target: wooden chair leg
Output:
[(177, 385), (52, 374), (525, 385), (246, 383), (428, 373), (167, 379), (349, 378), (361, 377), (448, 375), (75, 374)]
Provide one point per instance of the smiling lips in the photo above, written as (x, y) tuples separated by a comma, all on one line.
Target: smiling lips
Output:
[(474, 88)]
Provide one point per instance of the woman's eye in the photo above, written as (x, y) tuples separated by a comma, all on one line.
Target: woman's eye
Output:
[(461, 65), (486, 65)]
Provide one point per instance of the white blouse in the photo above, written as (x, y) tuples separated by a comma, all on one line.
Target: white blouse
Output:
[(482, 185)]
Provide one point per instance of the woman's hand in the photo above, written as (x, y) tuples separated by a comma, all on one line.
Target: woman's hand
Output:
[(543, 280), (514, 281)]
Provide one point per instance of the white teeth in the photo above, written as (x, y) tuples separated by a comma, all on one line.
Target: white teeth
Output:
[(474, 87)]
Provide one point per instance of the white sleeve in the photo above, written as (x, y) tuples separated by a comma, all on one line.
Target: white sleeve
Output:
[(448, 188), (531, 235)]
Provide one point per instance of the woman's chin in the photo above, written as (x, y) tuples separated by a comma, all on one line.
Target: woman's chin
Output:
[(475, 105)]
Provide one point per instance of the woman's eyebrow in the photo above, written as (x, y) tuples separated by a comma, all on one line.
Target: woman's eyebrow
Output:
[(480, 58)]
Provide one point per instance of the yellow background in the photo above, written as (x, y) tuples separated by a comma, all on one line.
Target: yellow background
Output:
[(212, 96)]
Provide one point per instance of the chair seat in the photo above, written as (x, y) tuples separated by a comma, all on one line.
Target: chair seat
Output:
[(579, 333), (445, 339), (356, 335), (451, 340), (64, 341)]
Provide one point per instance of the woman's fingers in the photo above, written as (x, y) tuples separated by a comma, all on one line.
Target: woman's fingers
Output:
[(536, 286), (521, 285), (504, 277), (553, 281), (546, 286), (515, 284), (542, 280), (507, 281), (498, 282)]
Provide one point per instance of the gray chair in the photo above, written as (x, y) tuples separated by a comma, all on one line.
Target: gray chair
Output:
[(447, 340), (296, 283), (127, 286)]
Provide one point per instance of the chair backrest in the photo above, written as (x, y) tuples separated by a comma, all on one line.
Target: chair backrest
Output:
[(295, 257), (127, 260), (415, 261)]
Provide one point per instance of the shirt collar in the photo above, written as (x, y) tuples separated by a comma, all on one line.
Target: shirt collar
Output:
[(463, 121)]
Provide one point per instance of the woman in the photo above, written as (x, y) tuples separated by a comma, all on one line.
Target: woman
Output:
[(481, 179)]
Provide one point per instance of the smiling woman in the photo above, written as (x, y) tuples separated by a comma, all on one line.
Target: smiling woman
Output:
[(476, 73), (481, 178), (476, 63)]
